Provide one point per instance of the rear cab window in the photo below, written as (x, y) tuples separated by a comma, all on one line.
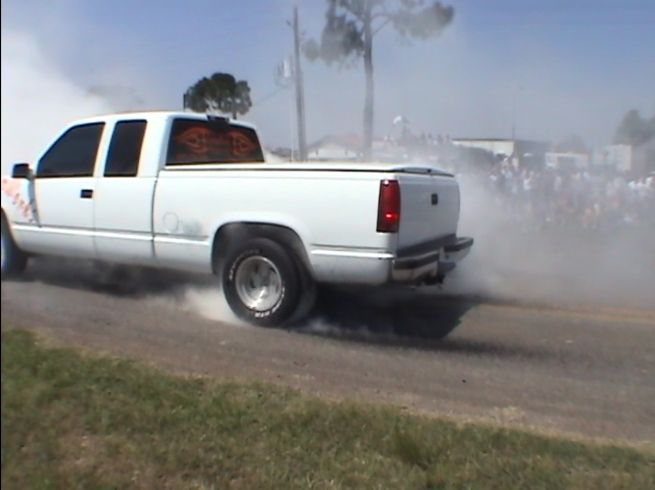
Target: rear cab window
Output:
[(198, 141), (125, 149)]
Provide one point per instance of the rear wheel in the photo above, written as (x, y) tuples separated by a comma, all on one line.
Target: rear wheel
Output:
[(261, 282), (13, 260)]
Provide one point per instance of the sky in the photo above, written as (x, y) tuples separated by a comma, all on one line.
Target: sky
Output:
[(550, 68)]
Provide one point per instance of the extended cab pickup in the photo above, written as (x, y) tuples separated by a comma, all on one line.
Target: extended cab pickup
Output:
[(193, 192)]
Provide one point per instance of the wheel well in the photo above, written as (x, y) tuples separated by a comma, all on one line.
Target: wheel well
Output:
[(6, 222), (231, 234)]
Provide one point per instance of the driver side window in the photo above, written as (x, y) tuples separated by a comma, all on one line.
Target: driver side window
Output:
[(73, 154)]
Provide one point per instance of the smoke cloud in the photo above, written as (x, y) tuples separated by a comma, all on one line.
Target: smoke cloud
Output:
[(38, 99), (570, 266)]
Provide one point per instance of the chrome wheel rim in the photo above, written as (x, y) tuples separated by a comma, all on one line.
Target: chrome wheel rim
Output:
[(258, 283)]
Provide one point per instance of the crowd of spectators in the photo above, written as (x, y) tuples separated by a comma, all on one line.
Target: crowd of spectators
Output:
[(594, 198)]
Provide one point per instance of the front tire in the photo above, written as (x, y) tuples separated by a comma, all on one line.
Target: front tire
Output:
[(13, 260), (261, 282)]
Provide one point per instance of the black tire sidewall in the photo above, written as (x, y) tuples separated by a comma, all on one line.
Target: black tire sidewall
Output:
[(285, 307), (14, 260)]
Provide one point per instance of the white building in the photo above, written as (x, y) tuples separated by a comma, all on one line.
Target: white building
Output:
[(522, 152), (497, 146), (618, 157), (566, 160)]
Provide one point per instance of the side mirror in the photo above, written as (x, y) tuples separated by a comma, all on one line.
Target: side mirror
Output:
[(21, 171)]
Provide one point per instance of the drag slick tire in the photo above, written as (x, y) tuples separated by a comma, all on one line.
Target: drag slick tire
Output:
[(13, 260), (261, 283)]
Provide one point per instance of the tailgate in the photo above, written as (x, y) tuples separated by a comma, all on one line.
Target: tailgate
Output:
[(429, 208)]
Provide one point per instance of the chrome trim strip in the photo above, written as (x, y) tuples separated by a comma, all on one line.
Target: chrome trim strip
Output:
[(353, 254), (180, 241), (136, 236)]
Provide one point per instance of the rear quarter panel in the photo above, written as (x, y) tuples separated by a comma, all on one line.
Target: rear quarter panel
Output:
[(328, 210)]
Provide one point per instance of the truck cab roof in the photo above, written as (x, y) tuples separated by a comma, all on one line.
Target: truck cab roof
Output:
[(160, 115)]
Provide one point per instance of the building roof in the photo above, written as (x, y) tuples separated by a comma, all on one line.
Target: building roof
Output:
[(502, 140)]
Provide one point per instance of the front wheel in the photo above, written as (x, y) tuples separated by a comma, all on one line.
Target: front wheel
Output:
[(261, 282), (13, 260)]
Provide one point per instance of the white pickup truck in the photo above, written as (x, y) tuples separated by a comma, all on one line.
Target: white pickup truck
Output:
[(193, 192)]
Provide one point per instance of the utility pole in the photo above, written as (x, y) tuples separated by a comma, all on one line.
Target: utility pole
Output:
[(514, 114), (300, 96)]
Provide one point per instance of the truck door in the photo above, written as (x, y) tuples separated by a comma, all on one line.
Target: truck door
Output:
[(64, 188), (123, 198)]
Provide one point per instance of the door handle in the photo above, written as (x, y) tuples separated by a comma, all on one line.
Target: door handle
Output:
[(434, 199), (86, 194)]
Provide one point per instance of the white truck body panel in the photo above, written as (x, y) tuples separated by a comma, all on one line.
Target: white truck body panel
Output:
[(421, 220), (65, 221), (123, 219)]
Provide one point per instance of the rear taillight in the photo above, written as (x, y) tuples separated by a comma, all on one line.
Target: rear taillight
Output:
[(389, 206)]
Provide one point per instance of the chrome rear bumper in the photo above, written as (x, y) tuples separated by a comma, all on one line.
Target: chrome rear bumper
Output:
[(430, 262)]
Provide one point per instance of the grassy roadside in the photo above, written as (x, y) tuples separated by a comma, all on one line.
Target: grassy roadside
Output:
[(70, 421)]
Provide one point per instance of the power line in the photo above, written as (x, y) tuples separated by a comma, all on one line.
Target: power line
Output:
[(269, 95)]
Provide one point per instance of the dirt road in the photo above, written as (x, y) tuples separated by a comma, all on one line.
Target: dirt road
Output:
[(581, 371)]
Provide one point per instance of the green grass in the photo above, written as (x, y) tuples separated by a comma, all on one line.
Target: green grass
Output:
[(72, 421)]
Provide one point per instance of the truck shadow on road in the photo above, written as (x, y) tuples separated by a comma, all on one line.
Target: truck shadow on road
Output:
[(396, 312), (132, 282), (406, 318)]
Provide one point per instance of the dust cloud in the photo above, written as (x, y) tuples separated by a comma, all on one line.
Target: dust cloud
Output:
[(557, 265), (210, 303)]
